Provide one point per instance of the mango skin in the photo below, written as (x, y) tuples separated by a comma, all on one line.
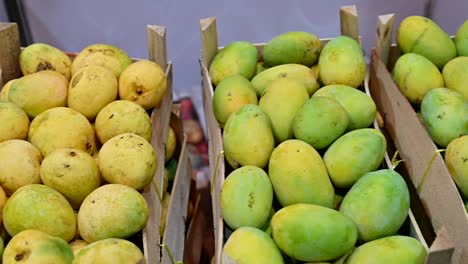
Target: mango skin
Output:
[(417, 34), (40, 56), (5, 90), (455, 74), (360, 107), (354, 154), (415, 75), (238, 57), (285, 94), (320, 121), (378, 204), (246, 197), (313, 233), (110, 250), (342, 62), (300, 73), (384, 250), (230, 94), (299, 175), (251, 245), (456, 158), (248, 137), (444, 113), (15, 122), (461, 39), (292, 47)]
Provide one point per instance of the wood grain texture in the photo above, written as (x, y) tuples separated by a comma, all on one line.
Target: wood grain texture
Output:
[(349, 22), (157, 44), (9, 51), (209, 39), (384, 36)]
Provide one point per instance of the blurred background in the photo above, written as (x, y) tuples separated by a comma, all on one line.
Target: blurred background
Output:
[(72, 25)]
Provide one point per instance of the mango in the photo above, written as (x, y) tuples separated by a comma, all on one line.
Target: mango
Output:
[(33, 246), (390, 250), (38, 92), (171, 144), (112, 210), (15, 122), (378, 204), (20, 165), (292, 47), (143, 82), (320, 121), (456, 158), (455, 74), (248, 137), (250, 245), (42, 208), (108, 56), (246, 197), (41, 57), (415, 76), (61, 127), (360, 107), (299, 175), (417, 34), (5, 90), (354, 154), (123, 116), (238, 57), (461, 39), (111, 250), (230, 94), (285, 94), (342, 62), (260, 67), (313, 233), (300, 73), (91, 89), (444, 113), (128, 159)]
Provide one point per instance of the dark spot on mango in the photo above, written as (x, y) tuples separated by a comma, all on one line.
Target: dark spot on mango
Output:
[(66, 165), (282, 75), (72, 153), (44, 65), (464, 159), (111, 116), (76, 79), (88, 145), (251, 200), (93, 201)]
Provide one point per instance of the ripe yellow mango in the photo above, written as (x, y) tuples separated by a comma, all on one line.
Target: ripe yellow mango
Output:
[(15, 122), (41, 57), (110, 250), (456, 158), (455, 74), (5, 90), (461, 39)]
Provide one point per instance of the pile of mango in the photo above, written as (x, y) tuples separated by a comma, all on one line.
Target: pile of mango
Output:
[(75, 154), (433, 75), (306, 182)]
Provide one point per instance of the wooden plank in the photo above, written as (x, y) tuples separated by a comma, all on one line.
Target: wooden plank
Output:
[(349, 22), (209, 38), (9, 51), (157, 44), (1, 80), (383, 40)]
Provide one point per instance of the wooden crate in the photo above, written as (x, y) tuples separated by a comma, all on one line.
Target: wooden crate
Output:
[(349, 26), (161, 118), (438, 192)]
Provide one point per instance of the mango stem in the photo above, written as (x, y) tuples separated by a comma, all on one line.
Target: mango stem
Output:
[(395, 162), (213, 175), (168, 251), (426, 171)]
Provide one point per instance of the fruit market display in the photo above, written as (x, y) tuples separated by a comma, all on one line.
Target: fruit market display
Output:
[(306, 182), (76, 154), (433, 74)]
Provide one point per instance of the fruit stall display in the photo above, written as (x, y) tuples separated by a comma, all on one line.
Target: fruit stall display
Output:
[(300, 170), (420, 87), (93, 159)]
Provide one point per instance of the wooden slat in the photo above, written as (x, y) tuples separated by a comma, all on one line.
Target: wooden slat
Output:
[(384, 36), (349, 22), (9, 51), (209, 38), (157, 44), (1, 80)]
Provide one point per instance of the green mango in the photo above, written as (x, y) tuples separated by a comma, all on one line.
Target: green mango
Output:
[(313, 233), (415, 75), (461, 39), (320, 121), (378, 204), (360, 107), (301, 73), (354, 154), (292, 47), (342, 62), (246, 197), (444, 112), (390, 250), (230, 94), (248, 137), (299, 175), (421, 35), (248, 245), (239, 57), (456, 158), (455, 74), (280, 102)]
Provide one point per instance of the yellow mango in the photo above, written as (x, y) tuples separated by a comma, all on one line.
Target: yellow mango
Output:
[(461, 39), (456, 158), (455, 74), (41, 57)]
